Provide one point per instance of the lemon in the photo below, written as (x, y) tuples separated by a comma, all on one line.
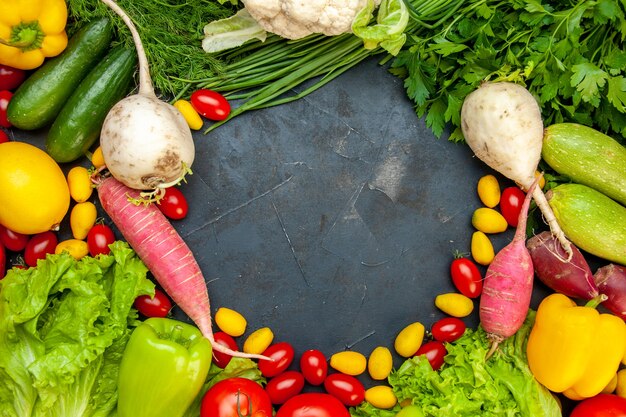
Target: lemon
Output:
[(34, 195)]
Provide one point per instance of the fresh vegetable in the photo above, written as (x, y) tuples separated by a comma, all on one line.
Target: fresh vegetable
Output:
[(5, 99), (508, 285), (82, 219), (4, 137), (173, 204), (572, 278), (280, 356), (611, 281), (488, 220), (32, 31), (313, 366), (620, 388), (381, 396), (165, 253), (482, 248), (78, 124), (502, 124), (313, 404), (145, 162), (409, 339), (284, 386), (574, 349), (163, 368), (3, 260), (79, 183), (588, 217), (467, 385), (193, 119), (236, 397), (230, 321), (97, 159), (76, 248), (11, 78), (258, 340), (99, 238), (410, 411), (448, 329), (602, 405), (587, 157), (157, 305), (488, 189), (454, 304), (434, 351), (219, 358), (39, 246), (511, 204), (210, 104), (13, 241), (63, 328), (34, 196), (466, 277), (380, 363), (348, 362), (346, 388), (40, 98)]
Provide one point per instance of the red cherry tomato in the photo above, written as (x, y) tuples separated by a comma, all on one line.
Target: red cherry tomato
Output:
[(210, 104), (346, 388), (511, 202), (284, 386), (3, 261), (448, 329), (236, 397), (38, 246), (99, 238), (602, 405), (222, 359), (5, 98), (3, 136), (466, 277), (13, 241), (434, 351), (313, 405), (314, 366), (282, 354), (11, 78), (173, 204), (157, 306)]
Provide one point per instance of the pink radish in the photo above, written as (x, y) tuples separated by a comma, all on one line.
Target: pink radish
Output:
[(508, 285), (572, 278), (164, 252), (611, 281)]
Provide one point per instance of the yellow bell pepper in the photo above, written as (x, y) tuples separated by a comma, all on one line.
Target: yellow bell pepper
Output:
[(575, 350), (30, 31)]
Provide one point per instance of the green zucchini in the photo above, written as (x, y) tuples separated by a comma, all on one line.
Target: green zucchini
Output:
[(591, 220), (40, 98), (78, 124), (587, 157)]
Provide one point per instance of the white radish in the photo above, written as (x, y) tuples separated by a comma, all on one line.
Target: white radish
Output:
[(502, 124), (146, 143)]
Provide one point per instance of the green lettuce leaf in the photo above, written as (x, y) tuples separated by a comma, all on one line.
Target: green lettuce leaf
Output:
[(231, 32), (63, 328), (388, 31)]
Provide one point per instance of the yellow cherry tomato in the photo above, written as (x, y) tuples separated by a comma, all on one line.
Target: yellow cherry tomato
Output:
[(409, 340), (190, 114), (258, 341), (482, 248), (230, 322), (489, 190), (381, 396), (454, 304), (76, 248), (620, 386), (380, 363), (82, 218), (611, 386), (97, 158), (488, 220), (79, 182), (349, 362), (410, 410)]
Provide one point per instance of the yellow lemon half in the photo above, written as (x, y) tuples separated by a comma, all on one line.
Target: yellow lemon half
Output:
[(34, 195)]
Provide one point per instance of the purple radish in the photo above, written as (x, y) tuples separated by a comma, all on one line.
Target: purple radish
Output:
[(611, 281), (570, 277)]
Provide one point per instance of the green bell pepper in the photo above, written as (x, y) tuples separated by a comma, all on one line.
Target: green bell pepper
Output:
[(163, 368)]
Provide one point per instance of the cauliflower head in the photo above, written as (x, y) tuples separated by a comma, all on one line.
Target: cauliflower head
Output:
[(295, 19)]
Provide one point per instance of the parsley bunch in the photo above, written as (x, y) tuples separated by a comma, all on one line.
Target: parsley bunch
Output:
[(569, 54)]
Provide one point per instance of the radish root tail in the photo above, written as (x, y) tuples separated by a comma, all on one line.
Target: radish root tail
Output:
[(225, 350), (549, 217), (495, 343)]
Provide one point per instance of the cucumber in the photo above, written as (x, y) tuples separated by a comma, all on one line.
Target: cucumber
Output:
[(78, 124), (587, 157), (40, 98), (591, 220)]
